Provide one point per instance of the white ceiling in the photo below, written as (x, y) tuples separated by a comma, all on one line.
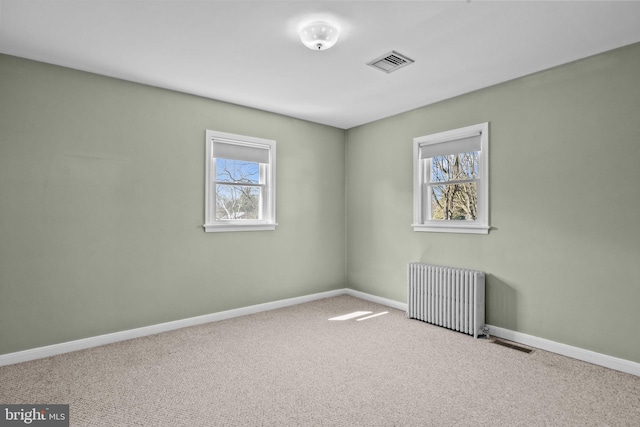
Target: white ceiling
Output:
[(248, 52)]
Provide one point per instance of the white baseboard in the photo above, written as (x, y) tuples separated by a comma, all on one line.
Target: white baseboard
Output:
[(530, 340), (378, 300), (567, 350), (578, 353), (66, 347)]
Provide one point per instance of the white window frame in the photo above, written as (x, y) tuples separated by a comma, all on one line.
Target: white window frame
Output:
[(421, 173), (268, 181)]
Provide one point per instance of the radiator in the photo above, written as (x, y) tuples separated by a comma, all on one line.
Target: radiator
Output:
[(445, 296)]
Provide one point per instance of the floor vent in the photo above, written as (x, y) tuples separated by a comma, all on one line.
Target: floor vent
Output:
[(512, 346), (390, 62)]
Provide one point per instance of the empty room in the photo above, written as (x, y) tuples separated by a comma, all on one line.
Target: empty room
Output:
[(319, 213)]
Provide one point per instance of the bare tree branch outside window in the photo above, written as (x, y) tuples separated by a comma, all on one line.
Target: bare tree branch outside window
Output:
[(238, 190), (454, 190)]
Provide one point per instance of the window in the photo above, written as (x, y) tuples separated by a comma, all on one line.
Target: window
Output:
[(240, 183), (451, 181)]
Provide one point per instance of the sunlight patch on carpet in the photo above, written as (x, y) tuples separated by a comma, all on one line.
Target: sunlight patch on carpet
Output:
[(351, 315), (359, 314), (373, 315)]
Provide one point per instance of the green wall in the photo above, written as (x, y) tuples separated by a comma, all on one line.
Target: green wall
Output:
[(563, 257), (102, 206)]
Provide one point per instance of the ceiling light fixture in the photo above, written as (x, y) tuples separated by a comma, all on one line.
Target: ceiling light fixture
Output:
[(319, 35)]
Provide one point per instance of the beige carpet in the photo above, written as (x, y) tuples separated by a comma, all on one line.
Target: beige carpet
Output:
[(294, 367)]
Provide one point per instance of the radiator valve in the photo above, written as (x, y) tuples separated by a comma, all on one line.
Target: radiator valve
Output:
[(485, 331)]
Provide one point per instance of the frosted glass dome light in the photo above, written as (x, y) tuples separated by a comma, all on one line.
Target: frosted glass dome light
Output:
[(319, 35)]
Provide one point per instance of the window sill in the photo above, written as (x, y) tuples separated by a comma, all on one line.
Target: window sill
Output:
[(468, 229), (212, 228)]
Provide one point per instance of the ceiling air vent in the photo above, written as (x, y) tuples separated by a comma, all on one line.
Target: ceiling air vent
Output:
[(390, 62)]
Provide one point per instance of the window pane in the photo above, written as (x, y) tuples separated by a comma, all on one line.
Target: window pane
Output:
[(454, 167), (237, 202), (454, 202), (237, 171)]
